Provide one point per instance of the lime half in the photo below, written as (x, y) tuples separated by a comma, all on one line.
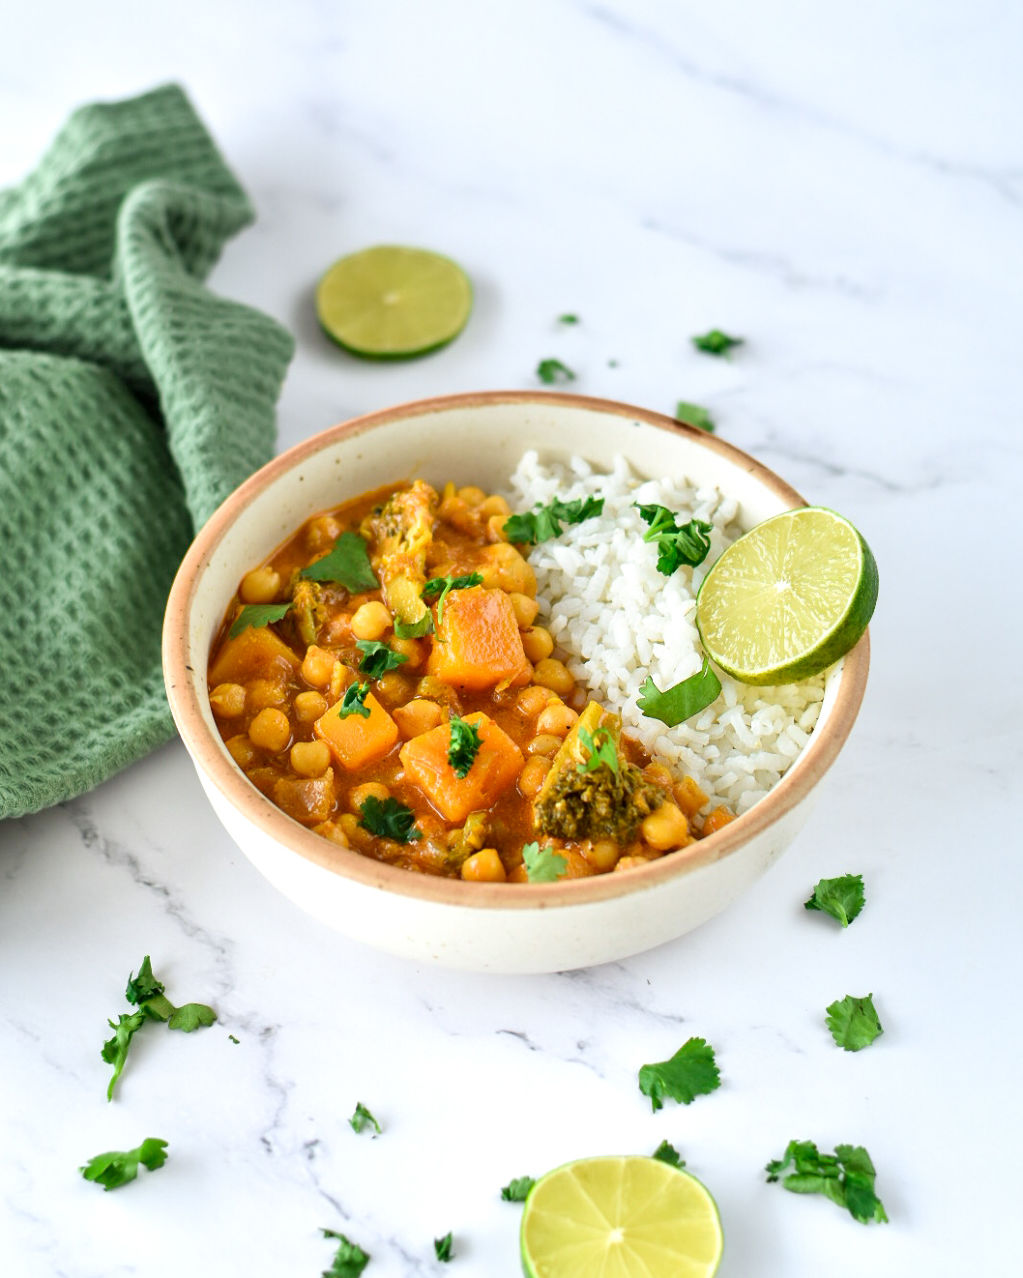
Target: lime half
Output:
[(788, 598), (629, 1217), (390, 302)]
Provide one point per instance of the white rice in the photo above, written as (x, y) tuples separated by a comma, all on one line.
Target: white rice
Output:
[(619, 619)]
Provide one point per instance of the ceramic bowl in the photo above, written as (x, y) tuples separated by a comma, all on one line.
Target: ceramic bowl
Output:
[(478, 439)]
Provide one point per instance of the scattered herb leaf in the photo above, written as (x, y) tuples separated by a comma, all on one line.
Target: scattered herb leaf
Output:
[(413, 629), (440, 587), (715, 342), (119, 1166), (190, 1017), (545, 522), (551, 371), (681, 701), (354, 701), (115, 1049), (668, 1154), (362, 1119), (257, 615), (694, 415), (234, 1040), (846, 1177), (143, 986), (568, 319), (602, 752), (691, 1072), (442, 1246), (854, 1022), (842, 898), (517, 1190), (677, 544), (347, 563), (378, 658), (389, 819), (349, 1260), (543, 865), (463, 746)]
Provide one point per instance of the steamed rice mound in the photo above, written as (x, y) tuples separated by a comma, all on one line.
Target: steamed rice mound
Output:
[(619, 619)]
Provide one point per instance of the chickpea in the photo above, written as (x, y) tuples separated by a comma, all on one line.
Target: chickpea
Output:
[(393, 686), (317, 666), (532, 700), (666, 828), (472, 496), (270, 730), (322, 532), (554, 674), (525, 609), (260, 585), (545, 743), (310, 758), (371, 621), (228, 700), (411, 649), (495, 527), (602, 855), (242, 751), (358, 795), (533, 775), (517, 576), (484, 866), (309, 706), (349, 824), (416, 717), (495, 505), (557, 718), (537, 643), (264, 692)]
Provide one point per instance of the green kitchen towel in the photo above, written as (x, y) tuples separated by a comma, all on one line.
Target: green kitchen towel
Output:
[(132, 401)]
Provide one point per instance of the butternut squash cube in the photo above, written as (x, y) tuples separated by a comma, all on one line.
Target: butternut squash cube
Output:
[(356, 740), (477, 644), (257, 653), (498, 762)]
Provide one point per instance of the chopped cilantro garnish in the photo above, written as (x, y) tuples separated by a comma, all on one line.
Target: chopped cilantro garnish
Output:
[(440, 587), (378, 658), (545, 522), (362, 1119), (668, 1154), (190, 1017), (413, 629), (442, 1247), (463, 746), (349, 1259), (681, 701), (846, 1177), (257, 615), (115, 1049), (543, 865), (602, 752), (551, 371), (119, 1166), (842, 898), (715, 342), (389, 819), (354, 701), (694, 415), (517, 1190), (854, 1022), (347, 563), (677, 544), (143, 986), (691, 1072), (568, 318)]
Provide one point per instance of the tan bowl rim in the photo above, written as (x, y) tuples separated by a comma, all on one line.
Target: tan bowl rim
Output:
[(234, 787)]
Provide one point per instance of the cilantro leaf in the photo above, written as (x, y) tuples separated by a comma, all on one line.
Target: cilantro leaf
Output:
[(413, 629), (190, 1016), (143, 986), (694, 415), (543, 865), (854, 1022), (842, 898), (691, 1072), (354, 701), (677, 544), (668, 1154), (349, 1260), (568, 319), (846, 1177), (545, 522), (681, 701), (440, 587), (115, 1049), (463, 746), (362, 1119), (378, 658), (551, 371), (517, 1190), (389, 819), (442, 1246), (119, 1166), (602, 750), (257, 615), (715, 342), (347, 563)]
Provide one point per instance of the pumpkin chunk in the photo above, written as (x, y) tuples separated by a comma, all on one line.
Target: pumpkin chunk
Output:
[(497, 763), (477, 644), (256, 653), (356, 739)]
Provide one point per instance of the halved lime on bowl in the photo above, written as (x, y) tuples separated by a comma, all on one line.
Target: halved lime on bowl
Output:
[(788, 598), (620, 1217), (392, 302)]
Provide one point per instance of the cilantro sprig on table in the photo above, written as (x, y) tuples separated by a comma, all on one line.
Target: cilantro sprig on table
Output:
[(842, 898), (377, 658), (543, 865), (118, 1167), (694, 415), (552, 371), (517, 1190), (463, 746), (442, 1247), (362, 1118), (440, 587), (349, 1259), (677, 544), (846, 1177), (715, 342), (389, 819), (667, 1153), (854, 1022), (347, 563), (682, 700), (691, 1072), (544, 522)]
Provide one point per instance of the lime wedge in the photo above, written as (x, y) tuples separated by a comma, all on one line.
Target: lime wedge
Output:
[(390, 302), (788, 598), (628, 1217)]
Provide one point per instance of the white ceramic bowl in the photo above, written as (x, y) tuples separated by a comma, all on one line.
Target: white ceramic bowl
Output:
[(478, 439)]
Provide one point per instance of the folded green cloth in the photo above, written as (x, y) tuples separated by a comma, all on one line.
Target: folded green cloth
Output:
[(132, 401)]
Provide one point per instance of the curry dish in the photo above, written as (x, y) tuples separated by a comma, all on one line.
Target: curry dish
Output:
[(382, 679)]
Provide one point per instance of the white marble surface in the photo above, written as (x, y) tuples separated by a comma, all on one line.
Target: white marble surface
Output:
[(843, 187)]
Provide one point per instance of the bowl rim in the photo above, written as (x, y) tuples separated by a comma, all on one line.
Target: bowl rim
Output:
[(235, 788)]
